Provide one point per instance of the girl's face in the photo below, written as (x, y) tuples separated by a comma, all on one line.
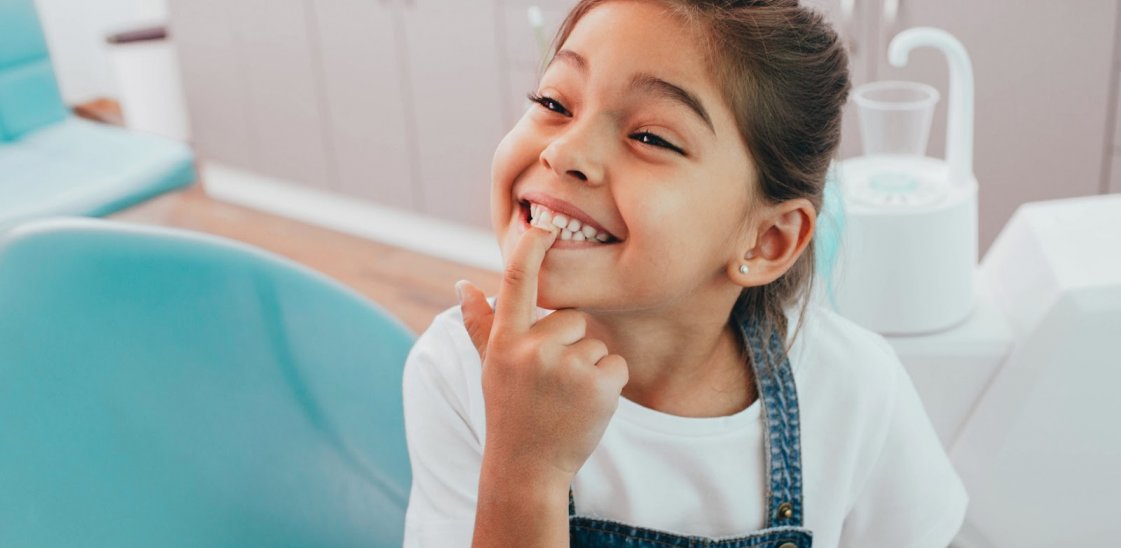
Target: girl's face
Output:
[(629, 135)]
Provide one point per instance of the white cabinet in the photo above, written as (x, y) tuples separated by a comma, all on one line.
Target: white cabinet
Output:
[(395, 101), (365, 96), (1114, 183), (287, 129), (251, 85), (213, 80), (455, 84)]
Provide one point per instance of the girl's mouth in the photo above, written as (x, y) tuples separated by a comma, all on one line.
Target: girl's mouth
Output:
[(570, 229)]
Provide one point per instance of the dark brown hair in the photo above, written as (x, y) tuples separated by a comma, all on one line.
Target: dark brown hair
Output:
[(784, 73)]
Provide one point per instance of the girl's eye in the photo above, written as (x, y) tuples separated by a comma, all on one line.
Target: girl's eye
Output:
[(647, 138), (644, 137), (549, 103)]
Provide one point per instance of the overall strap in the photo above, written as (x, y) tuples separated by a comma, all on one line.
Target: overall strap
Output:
[(782, 440)]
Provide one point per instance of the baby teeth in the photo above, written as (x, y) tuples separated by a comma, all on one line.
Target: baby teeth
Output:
[(570, 229), (540, 217)]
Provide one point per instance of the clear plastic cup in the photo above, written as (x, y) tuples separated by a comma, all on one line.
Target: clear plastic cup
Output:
[(895, 116)]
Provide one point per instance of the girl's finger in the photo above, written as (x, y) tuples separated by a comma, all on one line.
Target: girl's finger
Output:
[(478, 317), (614, 368), (516, 308), (565, 326), (590, 350)]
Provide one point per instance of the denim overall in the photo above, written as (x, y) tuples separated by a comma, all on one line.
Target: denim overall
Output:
[(784, 467)]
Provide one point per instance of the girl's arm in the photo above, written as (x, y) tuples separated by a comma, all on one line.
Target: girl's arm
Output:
[(520, 509)]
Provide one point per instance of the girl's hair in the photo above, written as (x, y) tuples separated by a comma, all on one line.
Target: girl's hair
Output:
[(784, 73)]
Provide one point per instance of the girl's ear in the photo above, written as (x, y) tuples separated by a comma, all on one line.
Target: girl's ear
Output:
[(784, 230)]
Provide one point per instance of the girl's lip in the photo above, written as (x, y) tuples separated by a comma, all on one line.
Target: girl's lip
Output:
[(564, 208)]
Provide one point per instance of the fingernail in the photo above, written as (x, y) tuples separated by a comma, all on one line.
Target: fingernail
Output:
[(459, 290), (550, 229)]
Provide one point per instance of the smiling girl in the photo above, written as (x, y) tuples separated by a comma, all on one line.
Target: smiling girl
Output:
[(640, 380)]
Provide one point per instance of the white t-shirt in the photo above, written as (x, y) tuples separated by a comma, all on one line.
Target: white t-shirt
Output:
[(874, 473)]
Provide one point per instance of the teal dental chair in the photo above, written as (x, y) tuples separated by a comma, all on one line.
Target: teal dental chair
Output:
[(52, 163), (164, 388)]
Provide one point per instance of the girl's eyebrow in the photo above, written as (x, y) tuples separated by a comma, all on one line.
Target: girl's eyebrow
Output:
[(576, 59), (653, 84), (645, 82)]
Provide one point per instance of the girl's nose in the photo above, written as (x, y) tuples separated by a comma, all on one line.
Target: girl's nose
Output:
[(575, 155)]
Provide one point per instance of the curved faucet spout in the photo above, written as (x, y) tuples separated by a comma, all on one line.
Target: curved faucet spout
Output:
[(959, 126)]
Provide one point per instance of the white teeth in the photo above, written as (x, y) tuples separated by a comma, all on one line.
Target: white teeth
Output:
[(570, 229)]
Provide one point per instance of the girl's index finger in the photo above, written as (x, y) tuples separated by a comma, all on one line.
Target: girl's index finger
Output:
[(516, 305)]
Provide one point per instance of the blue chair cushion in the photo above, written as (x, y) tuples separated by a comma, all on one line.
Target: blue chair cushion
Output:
[(78, 167), (21, 37), (29, 99), (163, 388), (29, 96)]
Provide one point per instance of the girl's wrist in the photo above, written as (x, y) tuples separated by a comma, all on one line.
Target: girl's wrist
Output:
[(532, 477), (520, 506)]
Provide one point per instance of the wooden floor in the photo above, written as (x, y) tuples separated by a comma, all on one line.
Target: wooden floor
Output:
[(412, 286)]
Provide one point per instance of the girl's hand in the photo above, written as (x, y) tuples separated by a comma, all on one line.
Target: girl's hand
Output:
[(549, 391)]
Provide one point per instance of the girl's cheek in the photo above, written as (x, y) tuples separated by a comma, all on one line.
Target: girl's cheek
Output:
[(508, 164), (506, 156), (499, 162)]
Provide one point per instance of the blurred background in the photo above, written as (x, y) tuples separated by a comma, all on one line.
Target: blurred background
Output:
[(352, 140)]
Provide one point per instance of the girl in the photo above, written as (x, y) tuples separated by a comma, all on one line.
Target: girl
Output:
[(660, 197)]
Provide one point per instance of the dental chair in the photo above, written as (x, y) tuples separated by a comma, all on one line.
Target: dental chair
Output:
[(164, 388), (52, 163)]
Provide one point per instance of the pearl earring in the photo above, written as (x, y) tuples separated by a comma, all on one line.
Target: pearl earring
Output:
[(743, 269)]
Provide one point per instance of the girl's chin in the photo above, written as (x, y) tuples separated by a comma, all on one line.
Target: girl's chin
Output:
[(546, 298), (551, 299), (551, 304)]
